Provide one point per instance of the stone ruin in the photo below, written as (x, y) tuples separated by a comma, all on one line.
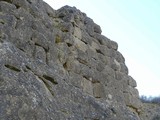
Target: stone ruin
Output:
[(56, 65)]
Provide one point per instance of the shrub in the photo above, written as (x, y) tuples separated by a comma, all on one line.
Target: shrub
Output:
[(146, 99)]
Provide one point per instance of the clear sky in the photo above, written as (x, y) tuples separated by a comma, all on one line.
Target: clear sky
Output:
[(135, 26)]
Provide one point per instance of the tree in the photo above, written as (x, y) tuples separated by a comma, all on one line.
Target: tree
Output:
[(146, 99)]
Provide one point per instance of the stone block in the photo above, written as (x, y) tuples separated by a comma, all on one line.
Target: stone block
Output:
[(80, 45), (82, 57), (109, 71), (119, 75), (95, 46), (40, 54), (132, 82), (100, 66), (114, 45), (98, 90), (55, 64), (116, 65), (119, 57), (124, 68), (76, 79), (104, 50), (87, 86), (132, 101), (97, 29), (91, 54), (77, 33)]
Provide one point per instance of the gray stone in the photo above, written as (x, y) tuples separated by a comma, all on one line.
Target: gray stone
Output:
[(98, 90), (56, 65), (132, 82), (77, 33), (87, 86), (80, 45), (114, 45), (97, 29)]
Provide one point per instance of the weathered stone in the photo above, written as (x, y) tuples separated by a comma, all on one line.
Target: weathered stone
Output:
[(124, 68), (87, 86), (77, 33), (6, 7), (119, 57), (63, 51), (116, 65), (119, 75), (50, 12), (104, 59), (98, 90), (56, 65), (110, 96), (86, 38), (114, 45), (97, 29), (103, 40), (132, 101), (104, 50), (95, 46), (80, 45), (40, 54), (109, 71), (76, 80), (82, 57), (100, 66), (91, 54), (132, 82), (65, 27), (72, 65)]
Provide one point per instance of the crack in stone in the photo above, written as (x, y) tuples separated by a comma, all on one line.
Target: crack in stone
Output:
[(13, 68)]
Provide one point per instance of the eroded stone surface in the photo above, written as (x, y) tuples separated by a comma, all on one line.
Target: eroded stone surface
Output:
[(56, 65)]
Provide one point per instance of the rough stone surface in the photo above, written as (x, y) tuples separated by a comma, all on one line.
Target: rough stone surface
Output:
[(56, 65)]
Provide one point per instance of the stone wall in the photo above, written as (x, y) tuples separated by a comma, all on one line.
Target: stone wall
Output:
[(56, 65)]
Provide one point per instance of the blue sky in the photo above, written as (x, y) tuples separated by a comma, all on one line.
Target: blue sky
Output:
[(135, 26)]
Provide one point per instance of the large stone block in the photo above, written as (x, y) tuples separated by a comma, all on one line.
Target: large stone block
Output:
[(40, 54), (87, 86), (132, 82), (55, 64), (80, 45), (77, 33), (98, 90)]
